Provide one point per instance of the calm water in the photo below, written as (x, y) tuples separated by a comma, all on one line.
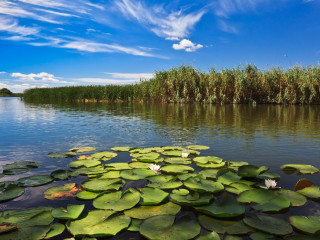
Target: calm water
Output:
[(262, 135)]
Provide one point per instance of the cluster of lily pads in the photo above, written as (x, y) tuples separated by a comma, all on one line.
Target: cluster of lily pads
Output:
[(162, 193)]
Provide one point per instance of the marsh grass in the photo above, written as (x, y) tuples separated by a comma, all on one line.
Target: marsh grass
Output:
[(185, 84)]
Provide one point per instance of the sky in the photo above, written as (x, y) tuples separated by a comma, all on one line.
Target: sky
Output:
[(80, 42)]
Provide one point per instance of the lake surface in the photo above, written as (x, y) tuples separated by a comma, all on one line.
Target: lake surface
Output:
[(268, 135)]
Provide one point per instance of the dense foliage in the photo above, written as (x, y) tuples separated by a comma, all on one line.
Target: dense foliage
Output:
[(185, 84)]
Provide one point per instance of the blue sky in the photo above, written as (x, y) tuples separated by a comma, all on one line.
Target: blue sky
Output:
[(80, 42)]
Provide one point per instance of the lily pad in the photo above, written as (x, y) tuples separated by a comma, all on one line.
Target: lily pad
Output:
[(301, 168), (223, 226), (62, 155), (308, 189), (145, 212), (262, 236), (19, 167), (103, 185), (198, 147), (150, 159), (55, 230), (269, 175), (152, 196), (104, 156), (110, 175), (60, 174), (98, 223), (139, 165), (237, 188), (209, 236), (10, 191), (67, 190), (210, 173), (207, 159), (251, 171), (161, 178), (136, 174), (72, 212), (165, 228), (203, 185), (135, 225), (227, 177), (87, 195), (121, 149), (310, 224), (165, 185), (7, 227), (82, 149), (178, 161), (27, 233), (176, 169), (33, 181), (117, 201), (84, 163), (185, 176), (268, 224), (117, 166), (190, 199)]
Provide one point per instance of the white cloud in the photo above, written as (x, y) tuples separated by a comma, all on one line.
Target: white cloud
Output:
[(186, 45), (19, 38), (171, 25), (42, 77), (12, 26), (131, 75), (225, 8), (18, 88), (3, 72), (105, 81), (226, 27)]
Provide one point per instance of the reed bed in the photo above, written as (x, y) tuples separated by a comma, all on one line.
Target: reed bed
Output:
[(185, 84)]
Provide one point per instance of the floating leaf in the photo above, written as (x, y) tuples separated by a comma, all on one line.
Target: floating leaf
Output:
[(84, 163), (303, 183), (104, 156), (185, 176), (268, 224), (164, 228), (117, 201), (237, 188), (269, 175), (88, 171), (139, 165), (295, 198), (67, 190), (223, 226), (103, 185), (7, 227), (198, 147), (206, 159), (176, 169), (72, 212), (209, 173), (144, 212), (203, 185), (117, 166), (150, 159), (227, 177), (150, 155), (262, 236), (19, 167), (161, 178), (62, 155), (152, 196), (60, 174), (55, 230), (211, 165), (136, 174), (33, 181), (251, 171), (209, 236), (87, 195), (82, 149), (178, 161), (192, 199), (301, 168), (121, 149), (10, 191), (312, 192), (310, 224), (135, 225), (110, 175), (165, 185), (27, 233)]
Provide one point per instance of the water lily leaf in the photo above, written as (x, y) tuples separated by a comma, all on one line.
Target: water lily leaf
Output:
[(227, 177), (104, 156), (121, 149), (269, 175), (295, 198), (228, 207), (72, 212), (251, 171), (312, 192), (87, 195), (237, 188), (164, 228), (209, 236), (62, 155), (171, 148), (151, 155), (165, 185), (223, 226), (117, 166), (185, 176), (230, 237), (88, 171), (7, 227), (139, 165), (235, 165), (211, 165), (190, 199), (203, 185), (150, 159), (176, 169), (143, 150), (60, 174), (178, 161), (136, 174), (300, 236), (117, 201), (303, 183), (82, 149), (310, 224), (98, 223), (103, 185), (207, 159), (145, 212), (161, 178), (27, 233), (67, 190), (268, 224), (19, 167), (209, 173), (301, 168), (181, 192), (135, 225), (152, 196), (33, 181), (110, 175), (10, 191), (262, 236), (84, 163), (198, 147), (55, 230)]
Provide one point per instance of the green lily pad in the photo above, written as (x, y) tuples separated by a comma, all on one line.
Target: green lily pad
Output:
[(262, 236), (237, 188), (139, 165), (178, 153), (312, 192), (110, 175), (203, 185), (145, 212), (165, 185), (19, 167), (33, 181), (161, 178), (136, 174), (103, 185), (98, 223), (185, 176), (121, 149), (55, 230), (82, 149), (209, 236), (104, 156), (176, 169), (117, 166), (150, 155), (7, 227), (171, 148), (207, 159), (211, 165), (27, 233), (10, 191), (269, 175), (165, 228), (67, 190), (135, 225), (223, 226), (251, 171), (117, 201), (84, 163), (310, 224), (88, 171), (198, 147), (235, 165), (300, 236), (181, 192), (227, 177), (62, 155), (87, 195), (72, 212), (190, 199), (209, 173), (150, 159), (152, 196), (268, 224), (228, 207), (60, 174), (178, 161), (295, 198), (301, 168), (303, 183)]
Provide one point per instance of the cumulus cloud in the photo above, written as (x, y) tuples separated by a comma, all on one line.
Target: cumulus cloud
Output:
[(186, 45), (42, 77)]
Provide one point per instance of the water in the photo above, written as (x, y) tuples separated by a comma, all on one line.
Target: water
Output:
[(268, 135)]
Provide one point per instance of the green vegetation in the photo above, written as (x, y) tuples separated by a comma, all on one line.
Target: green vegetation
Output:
[(4, 92), (186, 85)]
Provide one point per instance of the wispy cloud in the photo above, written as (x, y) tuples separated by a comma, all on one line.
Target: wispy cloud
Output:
[(227, 27), (3, 72), (186, 45), (12, 26), (172, 25)]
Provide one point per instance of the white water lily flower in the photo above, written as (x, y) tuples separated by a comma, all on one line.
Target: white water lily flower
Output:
[(184, 154), (270, 184), (155, 168)]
